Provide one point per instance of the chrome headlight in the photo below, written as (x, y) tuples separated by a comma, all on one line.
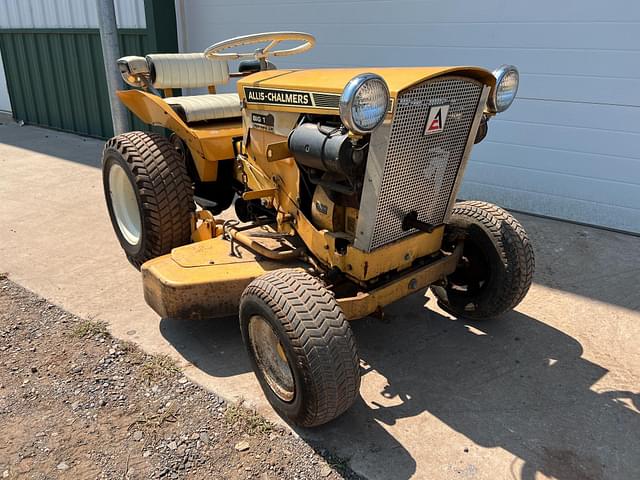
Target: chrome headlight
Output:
[(364, 103), (507, 80)]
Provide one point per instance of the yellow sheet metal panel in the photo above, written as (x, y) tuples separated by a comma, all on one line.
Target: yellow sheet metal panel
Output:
[(364, 266), (366, 303), (154, 110), (195, 293), (333, 80), (216, 139), (207, 143), (215, 251), (201, 280), (263, 174)]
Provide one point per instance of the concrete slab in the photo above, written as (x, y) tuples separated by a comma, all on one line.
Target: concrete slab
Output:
[(550, 391)]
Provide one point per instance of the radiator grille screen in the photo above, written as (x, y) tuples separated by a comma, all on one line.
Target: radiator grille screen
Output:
[(420, 170)]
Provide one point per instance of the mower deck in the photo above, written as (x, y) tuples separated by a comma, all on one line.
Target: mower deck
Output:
[(202, 279), (206, 279)]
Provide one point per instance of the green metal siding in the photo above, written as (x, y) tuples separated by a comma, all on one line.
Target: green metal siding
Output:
[(161, 25), (134, 43), (56, 77)]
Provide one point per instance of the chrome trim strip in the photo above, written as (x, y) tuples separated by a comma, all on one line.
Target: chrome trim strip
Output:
[(378, 146), (467, 151), (326, 100)]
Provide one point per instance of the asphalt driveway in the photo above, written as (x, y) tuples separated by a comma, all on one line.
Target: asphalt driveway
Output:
[(550, 391)]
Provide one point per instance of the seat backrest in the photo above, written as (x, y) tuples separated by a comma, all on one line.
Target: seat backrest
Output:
[(186, 70)]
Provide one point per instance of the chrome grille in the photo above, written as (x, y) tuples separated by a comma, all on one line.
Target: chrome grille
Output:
[(326, 100), (418, 171)]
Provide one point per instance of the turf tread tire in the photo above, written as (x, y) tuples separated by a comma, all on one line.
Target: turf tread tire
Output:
[(323, 345), (164, 192), (515, 254)]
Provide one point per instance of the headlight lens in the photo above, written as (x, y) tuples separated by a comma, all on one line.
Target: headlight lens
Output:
[(364, 103), (507, 80)]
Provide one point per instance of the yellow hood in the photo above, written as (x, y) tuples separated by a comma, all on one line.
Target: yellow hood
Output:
[(333, 80)]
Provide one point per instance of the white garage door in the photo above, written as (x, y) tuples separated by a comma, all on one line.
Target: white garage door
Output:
[(5, 105), (568, 148)]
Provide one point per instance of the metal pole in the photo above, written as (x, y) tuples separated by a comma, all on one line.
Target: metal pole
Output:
[(111, 53)]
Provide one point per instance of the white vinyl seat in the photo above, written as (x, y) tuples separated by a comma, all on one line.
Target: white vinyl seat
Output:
[(202, 108), (193, 70)]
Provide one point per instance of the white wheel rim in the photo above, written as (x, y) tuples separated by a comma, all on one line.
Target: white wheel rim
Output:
[(124, 204)]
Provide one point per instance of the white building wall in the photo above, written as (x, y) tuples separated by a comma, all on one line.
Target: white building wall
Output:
[(67, 14), (570, 145)]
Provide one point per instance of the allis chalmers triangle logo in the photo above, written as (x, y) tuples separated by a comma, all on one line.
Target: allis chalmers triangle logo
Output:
[(436, 119)]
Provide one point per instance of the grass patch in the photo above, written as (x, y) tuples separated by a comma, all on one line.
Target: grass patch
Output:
[(157, 367), (248, 420), (128, 347), (89, 328), (133, 354)]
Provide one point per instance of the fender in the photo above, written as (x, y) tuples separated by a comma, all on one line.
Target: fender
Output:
[(207, 144)]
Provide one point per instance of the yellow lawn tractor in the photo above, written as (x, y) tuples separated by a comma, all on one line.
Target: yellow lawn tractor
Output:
[(344, 183)]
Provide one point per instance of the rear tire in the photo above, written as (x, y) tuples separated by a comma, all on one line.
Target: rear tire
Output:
[(300, 345), (497, 265), (148, 193)]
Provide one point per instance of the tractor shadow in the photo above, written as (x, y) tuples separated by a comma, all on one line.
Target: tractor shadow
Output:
[(515, 383), (214, 346)]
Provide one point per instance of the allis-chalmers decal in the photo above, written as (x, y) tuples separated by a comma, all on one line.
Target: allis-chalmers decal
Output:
[(266, 96), (295, 98)]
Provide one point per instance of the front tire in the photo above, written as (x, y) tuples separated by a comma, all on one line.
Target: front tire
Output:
[(300, 345), (148, 193), (497, 264)]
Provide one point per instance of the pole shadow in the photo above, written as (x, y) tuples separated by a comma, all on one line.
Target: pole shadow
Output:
[(66, 146)]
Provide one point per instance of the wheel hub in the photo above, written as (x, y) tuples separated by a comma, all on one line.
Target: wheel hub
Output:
[(473, 270), (271, 358)]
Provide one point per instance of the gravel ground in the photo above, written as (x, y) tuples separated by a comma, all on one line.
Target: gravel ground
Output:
[(77, 403)]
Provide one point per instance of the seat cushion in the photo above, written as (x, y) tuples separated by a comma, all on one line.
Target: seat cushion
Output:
[(186, 70), (200, 108)]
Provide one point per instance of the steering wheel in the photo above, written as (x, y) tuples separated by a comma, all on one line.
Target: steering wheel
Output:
[(307, 42)]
